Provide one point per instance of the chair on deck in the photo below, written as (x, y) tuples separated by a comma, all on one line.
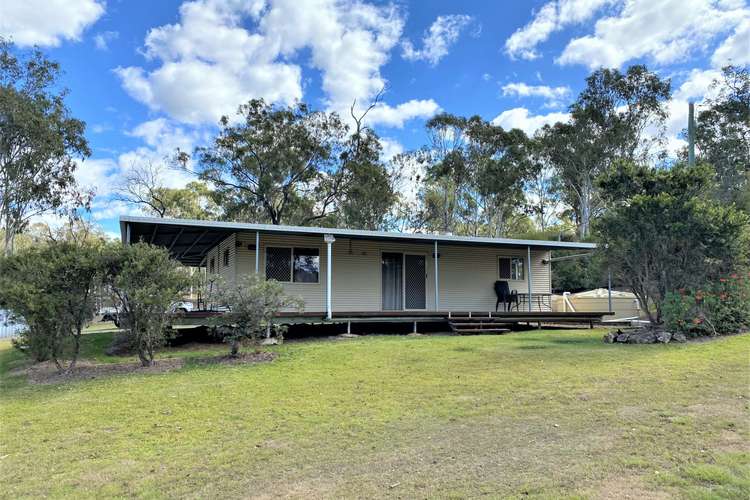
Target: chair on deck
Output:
[(506, 296)]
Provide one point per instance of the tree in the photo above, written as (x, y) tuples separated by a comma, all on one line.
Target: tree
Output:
[(253, 303), (53, 289), (608, 122), (292, 165), (39, 142), (145, 282), (664, 234), (722, 135), (144, 185), (475, 176)]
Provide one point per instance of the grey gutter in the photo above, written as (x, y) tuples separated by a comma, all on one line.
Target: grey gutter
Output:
[(353, 233)]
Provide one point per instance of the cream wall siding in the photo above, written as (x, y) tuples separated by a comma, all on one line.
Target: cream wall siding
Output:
[(467, 274)]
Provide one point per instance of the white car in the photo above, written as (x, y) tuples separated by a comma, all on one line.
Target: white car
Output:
[(182, 306)]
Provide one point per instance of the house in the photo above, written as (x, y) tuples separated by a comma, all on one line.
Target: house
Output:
[(355, 273)]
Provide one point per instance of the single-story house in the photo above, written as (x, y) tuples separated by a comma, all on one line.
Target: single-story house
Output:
[(347, 272)]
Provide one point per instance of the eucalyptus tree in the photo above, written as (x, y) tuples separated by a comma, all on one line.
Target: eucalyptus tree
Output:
[(39, 141), (723, 135), (293, 165), (618, 116), (474, 175)]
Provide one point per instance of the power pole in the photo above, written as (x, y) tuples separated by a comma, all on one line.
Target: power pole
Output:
[(691, 134)]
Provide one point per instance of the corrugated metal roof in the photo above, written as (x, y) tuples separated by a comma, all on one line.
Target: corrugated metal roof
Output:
[(180, 235)]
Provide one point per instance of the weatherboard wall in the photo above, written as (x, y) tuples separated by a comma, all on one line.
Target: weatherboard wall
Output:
[(466, 273)]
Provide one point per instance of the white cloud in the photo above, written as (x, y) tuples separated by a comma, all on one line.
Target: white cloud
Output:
[(396, 116), (668, 31), (391, 148), (97, 175), (736, 48), (223, 52), (443, 33), (553, 95), (47, 22), (101, 40), (552, 17), (521, 118)]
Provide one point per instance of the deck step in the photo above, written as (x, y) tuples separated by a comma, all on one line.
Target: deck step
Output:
[(465, 325)]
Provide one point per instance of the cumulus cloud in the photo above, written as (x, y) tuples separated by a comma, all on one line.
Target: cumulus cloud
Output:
[(553, 95), (223, 52), (437, 41), (48, 22), (523, 119), (396, 116), (665, 32), (552, 17), (736, 48)]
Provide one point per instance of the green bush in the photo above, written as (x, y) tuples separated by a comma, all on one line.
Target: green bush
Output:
[(719, 308)]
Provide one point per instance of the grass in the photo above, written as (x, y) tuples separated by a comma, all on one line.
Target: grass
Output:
[(543, 414)]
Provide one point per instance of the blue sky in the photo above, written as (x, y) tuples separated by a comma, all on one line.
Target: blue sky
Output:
[(148, 77)]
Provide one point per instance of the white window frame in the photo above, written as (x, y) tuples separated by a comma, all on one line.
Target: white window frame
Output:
[(513, 269), (291, 263)]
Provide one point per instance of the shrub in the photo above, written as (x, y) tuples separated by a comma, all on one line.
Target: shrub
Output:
[(253, 302), (719, 308), (145, 282), (52, 288)]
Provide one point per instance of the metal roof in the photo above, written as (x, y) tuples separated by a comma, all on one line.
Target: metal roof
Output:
[(189, 240)]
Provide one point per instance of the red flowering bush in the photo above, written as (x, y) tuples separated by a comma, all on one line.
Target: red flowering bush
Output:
[(719, 308)]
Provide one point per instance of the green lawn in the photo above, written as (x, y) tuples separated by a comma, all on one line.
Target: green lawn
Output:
[(541, 414)]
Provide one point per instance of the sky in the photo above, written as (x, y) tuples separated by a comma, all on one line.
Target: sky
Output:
[(148, 77)]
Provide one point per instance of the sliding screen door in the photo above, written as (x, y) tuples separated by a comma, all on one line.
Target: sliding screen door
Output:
[(415, 277), (392, 281)]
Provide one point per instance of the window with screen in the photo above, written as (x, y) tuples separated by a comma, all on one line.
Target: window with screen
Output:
[(226, 257), (279, 264), (306, 265), (295, 265), (211, 265), (511, 268)]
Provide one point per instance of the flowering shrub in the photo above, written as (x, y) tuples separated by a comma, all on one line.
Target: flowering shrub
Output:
[(719, 308)]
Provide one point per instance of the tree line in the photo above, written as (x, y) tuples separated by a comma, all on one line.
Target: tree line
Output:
[(603, 175)]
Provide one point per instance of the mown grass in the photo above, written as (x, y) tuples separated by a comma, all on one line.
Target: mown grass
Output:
[(541, 414)]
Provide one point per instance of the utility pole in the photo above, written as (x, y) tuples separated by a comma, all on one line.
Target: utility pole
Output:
[(691, 134)]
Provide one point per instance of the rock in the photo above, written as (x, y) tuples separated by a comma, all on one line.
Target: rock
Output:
[(623, 337), (609, 338), (679, 337), (348, 335), (642, 338), (663, 337), (269, 341)]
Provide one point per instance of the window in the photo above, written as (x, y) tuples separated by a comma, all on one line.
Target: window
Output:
[(211, 265), (226, 257), (306, 265), (511, 268), (298, 265)]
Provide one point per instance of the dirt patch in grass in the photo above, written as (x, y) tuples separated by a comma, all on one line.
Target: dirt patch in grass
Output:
[(241, 359), (46, 373)]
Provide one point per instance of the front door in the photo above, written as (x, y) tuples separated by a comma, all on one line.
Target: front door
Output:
[(393, 279), (403, 281)]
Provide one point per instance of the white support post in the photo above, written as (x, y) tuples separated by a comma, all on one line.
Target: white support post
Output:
[(437, 280), (257, 252), (127, 233), (528, 273), (329, 239)]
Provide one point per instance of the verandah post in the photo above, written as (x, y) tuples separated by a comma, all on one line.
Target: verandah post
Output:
[(257, 252), (329, 239), (528, 274), (437, 280)]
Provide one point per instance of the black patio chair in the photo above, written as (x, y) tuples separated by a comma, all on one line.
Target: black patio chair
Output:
[(506, 296)]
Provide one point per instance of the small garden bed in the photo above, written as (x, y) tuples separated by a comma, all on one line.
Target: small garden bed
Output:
[(47, 373)]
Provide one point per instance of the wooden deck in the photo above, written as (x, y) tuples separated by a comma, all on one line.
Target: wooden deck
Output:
[(506, 317)]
